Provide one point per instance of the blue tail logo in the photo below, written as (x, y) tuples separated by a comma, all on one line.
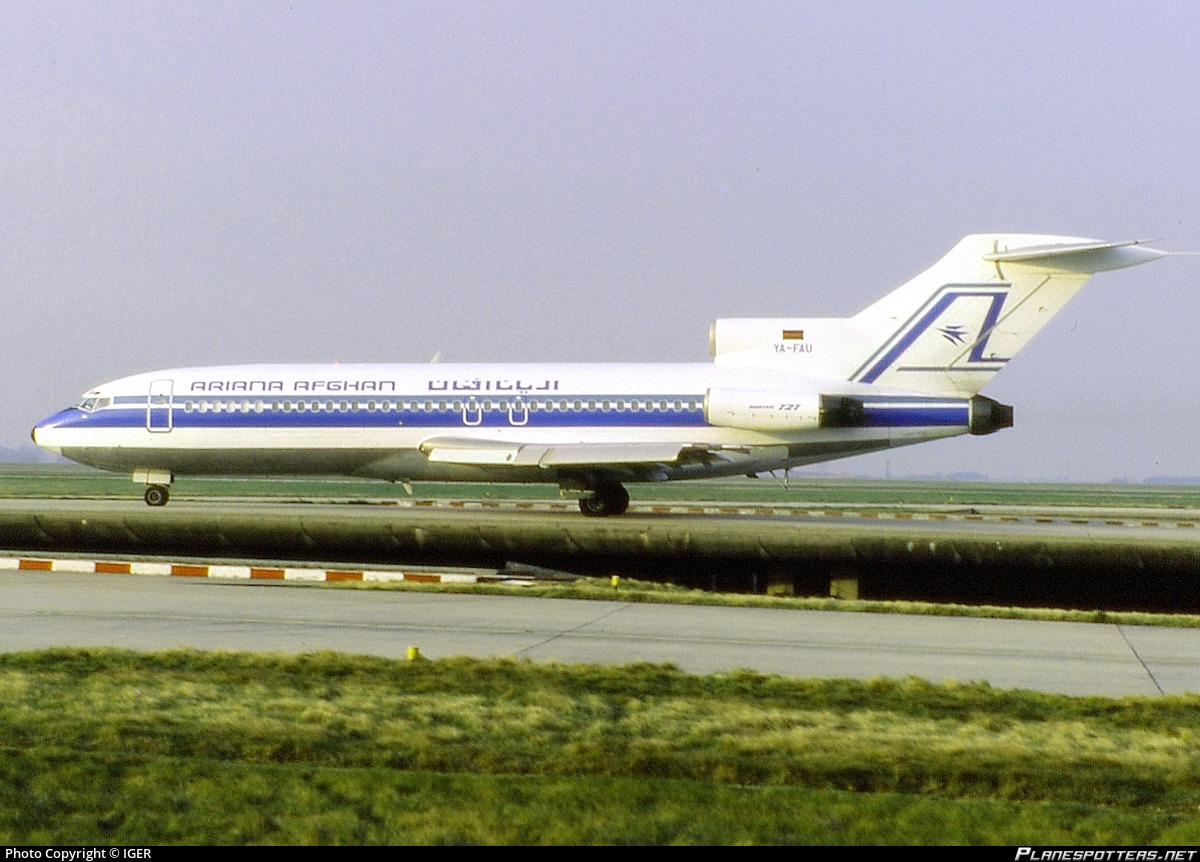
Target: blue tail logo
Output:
[(955, 333)]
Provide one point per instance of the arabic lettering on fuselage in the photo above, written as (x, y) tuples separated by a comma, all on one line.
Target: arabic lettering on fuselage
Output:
[(295, 386), (476, 384)]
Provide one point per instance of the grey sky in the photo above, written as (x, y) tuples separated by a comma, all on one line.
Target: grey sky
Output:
[(206, 183)]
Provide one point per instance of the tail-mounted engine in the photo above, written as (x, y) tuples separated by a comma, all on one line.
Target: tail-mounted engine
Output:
[(764, 410), (756, 410), (989, 415)]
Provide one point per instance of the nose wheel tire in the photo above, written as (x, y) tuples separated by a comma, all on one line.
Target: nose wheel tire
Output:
[(606, 500), (157, 495)]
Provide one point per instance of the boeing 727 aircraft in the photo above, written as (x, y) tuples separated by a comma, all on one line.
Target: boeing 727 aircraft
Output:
[(780, 393)]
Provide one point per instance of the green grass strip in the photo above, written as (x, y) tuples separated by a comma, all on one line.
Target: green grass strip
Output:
[(187, 746)]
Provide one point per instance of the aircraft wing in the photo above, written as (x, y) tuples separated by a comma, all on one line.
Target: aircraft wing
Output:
[(497, 453)]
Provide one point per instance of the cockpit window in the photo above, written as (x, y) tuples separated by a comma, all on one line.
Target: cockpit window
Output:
[(90, 404)]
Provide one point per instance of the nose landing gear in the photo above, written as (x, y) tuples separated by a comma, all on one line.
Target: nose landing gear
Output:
[(156, 482), (157, 495)]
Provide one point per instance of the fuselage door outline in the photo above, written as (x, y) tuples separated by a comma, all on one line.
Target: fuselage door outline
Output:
[(159, 408)]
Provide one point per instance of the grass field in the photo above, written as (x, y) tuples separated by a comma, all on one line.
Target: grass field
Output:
[(110, 747)]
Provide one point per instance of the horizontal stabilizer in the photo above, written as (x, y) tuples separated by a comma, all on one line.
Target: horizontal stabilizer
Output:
[(1089, 257)]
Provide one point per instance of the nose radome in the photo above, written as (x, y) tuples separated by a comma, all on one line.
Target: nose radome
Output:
[(38, 437), (34, 435)]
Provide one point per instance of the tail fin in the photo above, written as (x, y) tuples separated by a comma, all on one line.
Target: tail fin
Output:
[(954, 326)]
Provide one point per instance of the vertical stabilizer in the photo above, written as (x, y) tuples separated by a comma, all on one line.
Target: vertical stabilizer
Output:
[(954, 326), (947, 331)]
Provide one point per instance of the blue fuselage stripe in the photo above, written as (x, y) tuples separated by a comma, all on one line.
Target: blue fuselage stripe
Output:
[(874, 416), (914, 416), (132, 413)]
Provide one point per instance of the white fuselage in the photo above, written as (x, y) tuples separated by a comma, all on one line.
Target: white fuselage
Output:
[(382, 420)]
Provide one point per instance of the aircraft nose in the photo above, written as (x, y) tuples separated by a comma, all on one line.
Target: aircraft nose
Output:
[(44, 430), (33, 435)]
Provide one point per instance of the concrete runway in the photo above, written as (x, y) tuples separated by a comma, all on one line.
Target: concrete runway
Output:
[(44, 609)]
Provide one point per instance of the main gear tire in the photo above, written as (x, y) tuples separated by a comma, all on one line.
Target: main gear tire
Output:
[(606, 500)]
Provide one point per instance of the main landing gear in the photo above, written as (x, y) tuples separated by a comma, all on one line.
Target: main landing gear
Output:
[(157, 495), (607, 499)]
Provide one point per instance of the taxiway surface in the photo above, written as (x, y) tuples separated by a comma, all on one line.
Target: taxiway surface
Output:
[(46, 609)]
